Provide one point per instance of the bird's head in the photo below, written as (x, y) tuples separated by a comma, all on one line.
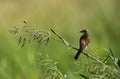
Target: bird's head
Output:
[(83, 31)]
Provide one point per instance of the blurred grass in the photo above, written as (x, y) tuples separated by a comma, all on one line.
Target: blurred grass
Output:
[(67, 17)]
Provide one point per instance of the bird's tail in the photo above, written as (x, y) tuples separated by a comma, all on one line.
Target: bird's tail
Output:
[(78, 54)]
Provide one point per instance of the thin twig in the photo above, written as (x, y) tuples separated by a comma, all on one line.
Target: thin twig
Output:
[(63, 40)]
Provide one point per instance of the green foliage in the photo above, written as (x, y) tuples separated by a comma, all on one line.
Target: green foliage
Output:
[(113, 58), (26, 34), (47, 67), (95, 68)]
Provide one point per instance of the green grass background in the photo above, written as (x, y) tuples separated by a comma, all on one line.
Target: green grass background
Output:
[(67, 17)]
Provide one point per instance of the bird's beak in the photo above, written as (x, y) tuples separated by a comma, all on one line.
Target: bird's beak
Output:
[(81, 31)]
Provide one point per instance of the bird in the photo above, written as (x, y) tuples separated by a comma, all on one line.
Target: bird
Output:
[(84, 41)]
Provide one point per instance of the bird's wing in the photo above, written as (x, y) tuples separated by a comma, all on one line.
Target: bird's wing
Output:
[(82, 44)]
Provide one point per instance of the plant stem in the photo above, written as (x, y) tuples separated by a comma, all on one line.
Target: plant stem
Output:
[(114, 59)]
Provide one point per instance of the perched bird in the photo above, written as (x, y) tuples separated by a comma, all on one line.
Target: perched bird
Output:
[(84, 41)]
